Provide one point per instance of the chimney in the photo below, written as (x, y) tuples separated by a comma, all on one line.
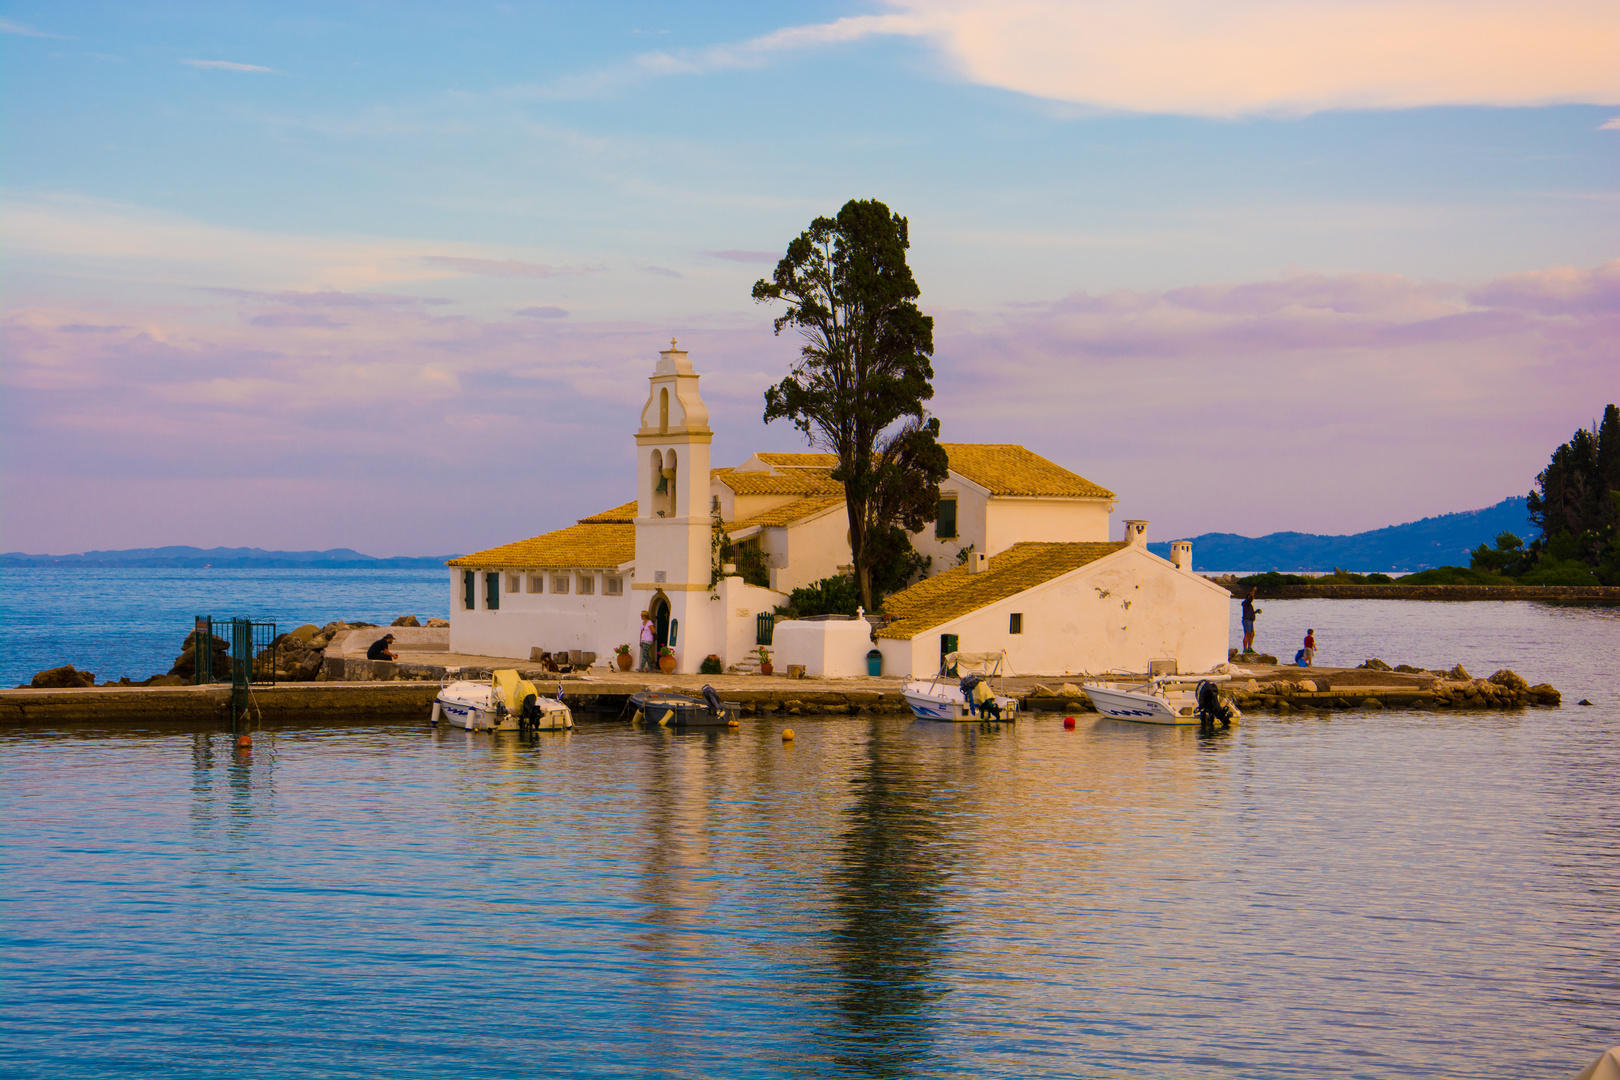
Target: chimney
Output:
[(1181, 555), (1136, 532), (978, 562)]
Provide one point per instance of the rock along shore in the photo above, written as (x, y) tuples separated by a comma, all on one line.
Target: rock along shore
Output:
[(1588, 594)]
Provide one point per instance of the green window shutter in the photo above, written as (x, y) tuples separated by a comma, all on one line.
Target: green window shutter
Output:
[(945, 527), (492, 591), (469, 590)]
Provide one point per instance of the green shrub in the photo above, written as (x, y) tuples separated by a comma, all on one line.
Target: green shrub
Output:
[(1453, 575), (829, 596), (1560, 572), (710, 665)]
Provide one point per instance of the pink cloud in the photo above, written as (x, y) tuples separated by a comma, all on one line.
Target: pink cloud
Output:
[(1321, 402), (502, 267)]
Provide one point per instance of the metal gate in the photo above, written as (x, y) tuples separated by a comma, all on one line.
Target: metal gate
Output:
[(764, 627), (249, 659)]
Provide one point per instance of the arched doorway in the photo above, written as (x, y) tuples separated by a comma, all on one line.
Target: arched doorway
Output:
[(660, 616)]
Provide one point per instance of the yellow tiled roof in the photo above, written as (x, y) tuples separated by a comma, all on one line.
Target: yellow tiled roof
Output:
[(585, 546), (800, 461), (1010, 469), (793, 482), (619, 515), (957, 592), (786, 515)]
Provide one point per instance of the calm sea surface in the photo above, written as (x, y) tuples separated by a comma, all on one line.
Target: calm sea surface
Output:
[(1368, 894), (118, 622)]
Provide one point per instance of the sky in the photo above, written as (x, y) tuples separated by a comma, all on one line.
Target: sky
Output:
[(392, 276)]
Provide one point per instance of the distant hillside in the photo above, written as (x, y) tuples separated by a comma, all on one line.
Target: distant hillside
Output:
[(227, 558), (1418, 545)]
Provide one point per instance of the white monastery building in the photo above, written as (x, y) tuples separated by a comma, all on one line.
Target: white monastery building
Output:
[(1023, 546)]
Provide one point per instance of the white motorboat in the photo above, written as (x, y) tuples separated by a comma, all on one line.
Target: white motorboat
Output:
[(970, 699), (1167, 699), (504, 702)]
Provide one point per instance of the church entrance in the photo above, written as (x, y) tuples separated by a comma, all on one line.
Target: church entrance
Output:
[(660, 615)]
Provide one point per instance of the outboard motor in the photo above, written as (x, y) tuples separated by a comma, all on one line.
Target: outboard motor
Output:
[(712, 698), (1211, 709), (969, 681)]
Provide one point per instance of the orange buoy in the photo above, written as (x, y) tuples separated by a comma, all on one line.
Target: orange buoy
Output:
[(787, 734), (244, 742), (1068, 721)]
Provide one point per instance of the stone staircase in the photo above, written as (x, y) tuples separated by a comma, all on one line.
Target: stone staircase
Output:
[(748, 666)]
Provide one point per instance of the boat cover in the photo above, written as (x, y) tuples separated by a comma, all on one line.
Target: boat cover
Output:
[(1606, 1067), (956, 659), (510, 689)]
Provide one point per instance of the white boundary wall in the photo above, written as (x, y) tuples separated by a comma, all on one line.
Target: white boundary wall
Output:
[(834, 648)]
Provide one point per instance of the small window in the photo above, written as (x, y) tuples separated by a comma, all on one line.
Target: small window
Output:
[(587, 584), (537, 583), (945, 527), (469, 590), (514, 582), (559, 584), (492, 590), (1015, 623), (613, 586)]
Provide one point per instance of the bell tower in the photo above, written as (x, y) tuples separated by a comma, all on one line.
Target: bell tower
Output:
[(674, 537)]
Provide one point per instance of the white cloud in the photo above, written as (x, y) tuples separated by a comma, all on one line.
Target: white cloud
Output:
[(1611, 124), (9, 27), (229, 65)]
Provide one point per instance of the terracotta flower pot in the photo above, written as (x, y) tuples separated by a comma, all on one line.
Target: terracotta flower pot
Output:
[(666, 664), (766, 668), (624, 661)]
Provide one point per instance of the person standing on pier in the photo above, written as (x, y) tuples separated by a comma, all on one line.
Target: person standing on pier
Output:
[(1249, 612), (649, 639), (1310, 649)]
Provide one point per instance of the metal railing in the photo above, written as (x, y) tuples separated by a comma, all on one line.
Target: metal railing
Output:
[(249, 657)]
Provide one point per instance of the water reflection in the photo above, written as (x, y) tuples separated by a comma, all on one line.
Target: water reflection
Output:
[(888, 900)]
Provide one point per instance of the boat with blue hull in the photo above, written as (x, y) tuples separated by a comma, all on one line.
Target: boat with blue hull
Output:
[(962, 692)]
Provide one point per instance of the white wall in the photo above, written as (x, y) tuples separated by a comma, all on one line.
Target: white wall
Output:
[(809, 550), (525, 620), (734, 615), (826, 647), (971, 503), (1067, 521), (1081, 623)]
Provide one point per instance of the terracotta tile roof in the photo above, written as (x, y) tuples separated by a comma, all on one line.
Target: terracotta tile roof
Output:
[(800, 461), (619, 515), (1010, 469), (786, 515), (585, 546), (793, 482), (957, 592)]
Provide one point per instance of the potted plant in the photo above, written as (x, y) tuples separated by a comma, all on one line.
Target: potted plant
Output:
[(765, 661), (711, 665), (666, 659), (624, 656)]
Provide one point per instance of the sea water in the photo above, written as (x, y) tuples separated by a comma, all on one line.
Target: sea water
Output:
[(1364, 894), (119, 622)]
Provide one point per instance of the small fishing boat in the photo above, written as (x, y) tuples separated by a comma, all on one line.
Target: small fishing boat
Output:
[(968, 700), (504, 702), (678, 710), (1166, 699)]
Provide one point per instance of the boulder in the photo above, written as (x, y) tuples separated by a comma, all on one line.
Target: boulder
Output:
[(1510, 681), (1069, 690), (1375, 664), (1371, 703), (406, 620), (66, 677), (1042, 691), (1408, 669), (305, 633), (1547, 694), (164, 680), (1307, 686), (1459, 673), (437, 622)]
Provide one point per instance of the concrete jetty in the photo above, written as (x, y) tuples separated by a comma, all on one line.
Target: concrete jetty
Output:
[(1281, 689)]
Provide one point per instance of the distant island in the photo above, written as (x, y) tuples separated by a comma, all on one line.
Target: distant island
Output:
[(1445, 540), (180, 557)]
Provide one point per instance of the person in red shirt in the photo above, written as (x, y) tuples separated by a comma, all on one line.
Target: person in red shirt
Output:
[(1310, 648)]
